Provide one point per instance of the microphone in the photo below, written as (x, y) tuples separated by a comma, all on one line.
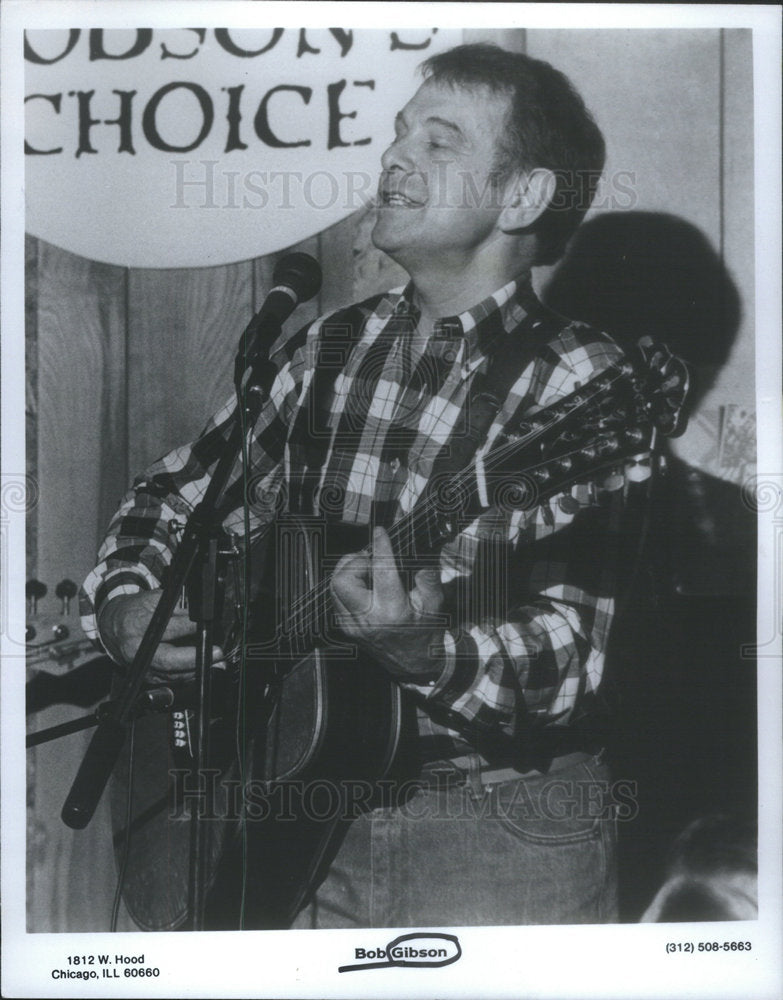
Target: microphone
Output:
[(297, 278)]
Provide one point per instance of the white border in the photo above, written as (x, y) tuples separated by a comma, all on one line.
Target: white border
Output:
[(624, 961)]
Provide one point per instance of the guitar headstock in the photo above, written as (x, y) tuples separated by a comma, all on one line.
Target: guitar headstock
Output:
[(53, 638), (612, 418), (665, 383)]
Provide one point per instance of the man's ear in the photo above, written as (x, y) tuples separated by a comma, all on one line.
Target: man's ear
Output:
[(527, 197)]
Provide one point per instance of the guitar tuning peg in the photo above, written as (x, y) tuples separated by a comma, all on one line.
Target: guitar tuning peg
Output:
[(34, 590), (613, 482), (65, 590), (541, 475), (608, 445), (633, 435), (638, 469), (526, 427)]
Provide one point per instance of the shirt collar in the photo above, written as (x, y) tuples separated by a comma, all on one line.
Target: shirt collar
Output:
[(481, 326)]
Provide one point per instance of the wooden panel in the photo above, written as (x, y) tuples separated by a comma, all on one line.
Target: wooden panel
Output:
[(81, 409), (184, 326), (78, 398), (71, 873)]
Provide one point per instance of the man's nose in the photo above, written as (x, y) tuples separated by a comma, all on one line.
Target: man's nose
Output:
[(399, 154)]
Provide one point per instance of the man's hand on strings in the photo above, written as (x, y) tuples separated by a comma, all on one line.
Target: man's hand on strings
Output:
[(397, 626), (122, 623)]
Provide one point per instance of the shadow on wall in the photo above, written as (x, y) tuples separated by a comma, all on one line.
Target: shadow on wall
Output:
[(683, 693), (644, 274), (639, 274)]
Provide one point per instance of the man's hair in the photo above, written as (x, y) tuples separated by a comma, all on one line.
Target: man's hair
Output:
[(548, 126)]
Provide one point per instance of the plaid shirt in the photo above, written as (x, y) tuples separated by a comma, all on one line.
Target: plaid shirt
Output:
[(530, 594)]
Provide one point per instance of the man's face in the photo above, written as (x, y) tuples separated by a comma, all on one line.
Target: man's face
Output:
[(436, 193)]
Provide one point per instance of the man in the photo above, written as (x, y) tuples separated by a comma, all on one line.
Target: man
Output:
[(494, 163)]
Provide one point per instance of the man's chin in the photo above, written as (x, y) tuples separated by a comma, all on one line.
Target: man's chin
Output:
[(382, 239)]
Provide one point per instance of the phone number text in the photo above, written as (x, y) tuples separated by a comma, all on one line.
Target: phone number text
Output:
[(691, 947)]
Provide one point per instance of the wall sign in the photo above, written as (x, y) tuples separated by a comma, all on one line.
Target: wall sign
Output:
[(191, 147)]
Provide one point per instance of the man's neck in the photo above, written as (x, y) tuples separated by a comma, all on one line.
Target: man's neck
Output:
[(448, 292)]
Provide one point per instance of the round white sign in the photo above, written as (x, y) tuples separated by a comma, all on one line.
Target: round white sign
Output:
[(192, 147)]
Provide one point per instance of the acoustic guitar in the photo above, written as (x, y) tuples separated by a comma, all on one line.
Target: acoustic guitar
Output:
[(299, 713)]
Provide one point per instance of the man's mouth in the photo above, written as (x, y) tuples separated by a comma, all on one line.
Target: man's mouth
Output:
[(395, 198)]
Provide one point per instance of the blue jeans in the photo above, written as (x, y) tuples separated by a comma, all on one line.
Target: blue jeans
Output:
[(532, 850)]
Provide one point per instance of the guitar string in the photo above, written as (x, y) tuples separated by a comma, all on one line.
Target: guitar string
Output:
[(306, 611), (306, 615)]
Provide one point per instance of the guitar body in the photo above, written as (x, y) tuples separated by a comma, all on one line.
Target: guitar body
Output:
[(334, 713), (295, 739), (153, 851), (324, 731)]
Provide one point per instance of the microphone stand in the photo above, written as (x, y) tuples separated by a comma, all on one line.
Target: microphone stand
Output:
[(197, 564)]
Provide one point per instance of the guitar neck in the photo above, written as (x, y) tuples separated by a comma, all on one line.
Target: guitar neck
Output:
[(589, 432)]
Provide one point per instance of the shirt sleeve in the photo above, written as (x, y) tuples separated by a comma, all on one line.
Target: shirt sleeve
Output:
[(537, 662), (142, 536), (531, 599)]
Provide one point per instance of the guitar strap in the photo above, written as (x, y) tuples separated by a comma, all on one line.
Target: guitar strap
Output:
[(509, 356)]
